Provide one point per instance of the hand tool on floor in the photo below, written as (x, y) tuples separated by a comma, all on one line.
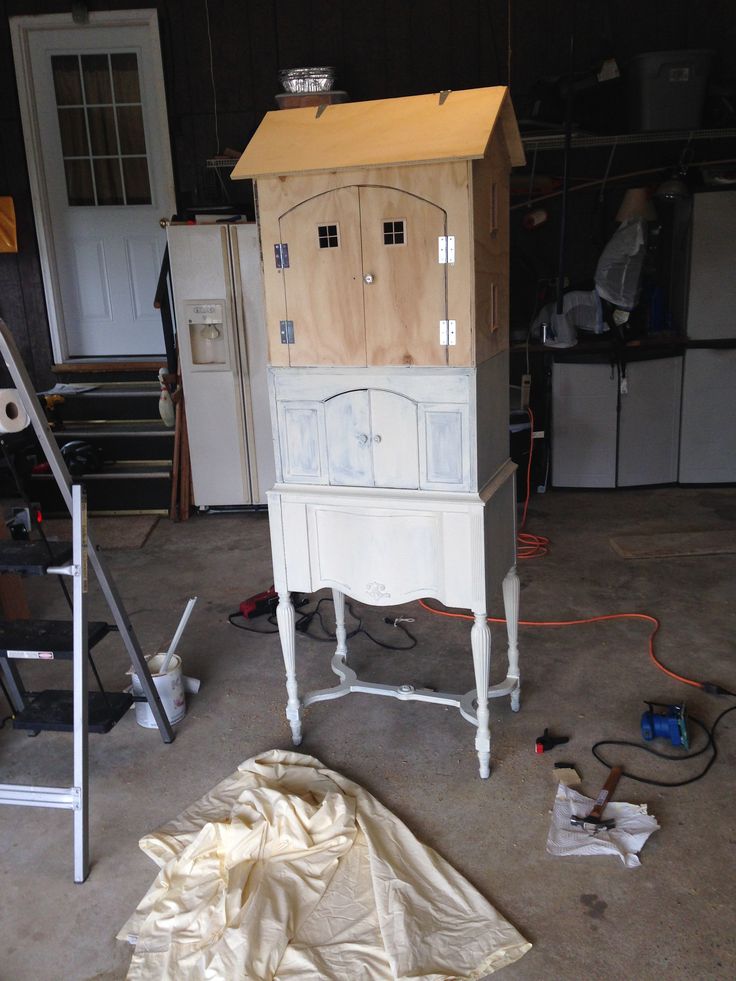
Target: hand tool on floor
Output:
[(593, 823), (670, 724), (545, 742)]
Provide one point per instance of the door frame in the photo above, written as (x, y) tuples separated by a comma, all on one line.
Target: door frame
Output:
[(21, 28)]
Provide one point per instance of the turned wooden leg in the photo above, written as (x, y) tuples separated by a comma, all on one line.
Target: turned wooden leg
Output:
[(340, 632), (511, 609), (480, 639), (287, 635)]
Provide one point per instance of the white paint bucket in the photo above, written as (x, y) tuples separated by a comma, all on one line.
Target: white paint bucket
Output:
[(170, 690)]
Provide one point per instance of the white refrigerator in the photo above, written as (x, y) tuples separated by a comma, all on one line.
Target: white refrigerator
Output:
[(217, 283)]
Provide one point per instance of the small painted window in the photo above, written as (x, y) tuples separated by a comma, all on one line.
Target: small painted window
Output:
[(394, 232), (328, 236)]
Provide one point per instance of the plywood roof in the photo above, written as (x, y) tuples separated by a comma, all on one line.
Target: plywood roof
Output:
[(386, 132)]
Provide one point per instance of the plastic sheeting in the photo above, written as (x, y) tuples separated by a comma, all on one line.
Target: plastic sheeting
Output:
[(287, 870)]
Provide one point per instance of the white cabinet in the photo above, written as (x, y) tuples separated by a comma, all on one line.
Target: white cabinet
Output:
[(407, 428), (708, 437), (614, 429)]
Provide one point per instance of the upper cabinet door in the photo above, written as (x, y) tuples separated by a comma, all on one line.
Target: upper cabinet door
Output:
[(404, 285), (323, 287)]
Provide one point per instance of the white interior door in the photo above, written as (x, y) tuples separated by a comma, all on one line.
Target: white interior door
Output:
[(96, 134)]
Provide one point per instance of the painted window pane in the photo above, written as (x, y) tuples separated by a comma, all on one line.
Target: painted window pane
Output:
[(394, 232), (125, 77), (102, 134), (96, 74), (327, 236), (130, 127), (67, 81), (79, 187), (73, 128), (108, 181), (137, 187)]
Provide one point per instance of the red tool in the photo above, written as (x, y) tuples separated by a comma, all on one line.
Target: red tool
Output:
[(260, 604)]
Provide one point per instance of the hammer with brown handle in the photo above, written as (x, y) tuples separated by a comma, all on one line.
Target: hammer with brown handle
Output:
[(592, 823)]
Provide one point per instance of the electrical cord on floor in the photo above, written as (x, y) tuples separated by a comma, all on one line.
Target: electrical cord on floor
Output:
[(305, 620), (710, 744), (530, 546), (710, 687)]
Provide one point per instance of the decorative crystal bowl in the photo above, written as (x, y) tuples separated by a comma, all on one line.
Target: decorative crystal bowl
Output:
[(307, 79)]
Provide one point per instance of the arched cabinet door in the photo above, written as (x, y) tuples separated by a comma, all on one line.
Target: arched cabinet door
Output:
[(372, 439)]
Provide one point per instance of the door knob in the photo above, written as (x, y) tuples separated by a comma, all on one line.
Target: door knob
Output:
[(164, 222), (376, 439), (368, 278), (362, 438)]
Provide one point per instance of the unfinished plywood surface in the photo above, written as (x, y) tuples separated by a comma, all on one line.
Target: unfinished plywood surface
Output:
[(491, 253), (669, 545), (446, 184), (416, 129), (323, 286), (406, 296)]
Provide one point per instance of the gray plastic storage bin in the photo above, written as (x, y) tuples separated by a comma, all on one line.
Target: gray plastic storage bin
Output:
[(667, 89)]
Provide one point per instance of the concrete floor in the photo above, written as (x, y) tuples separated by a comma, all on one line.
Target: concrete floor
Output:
[(588, 918)]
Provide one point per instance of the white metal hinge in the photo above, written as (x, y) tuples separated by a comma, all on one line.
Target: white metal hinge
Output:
[(281, 252), (446, 249), (287, 331), (448, 333)]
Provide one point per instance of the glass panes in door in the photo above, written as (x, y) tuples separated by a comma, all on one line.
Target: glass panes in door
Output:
[(98, 102)]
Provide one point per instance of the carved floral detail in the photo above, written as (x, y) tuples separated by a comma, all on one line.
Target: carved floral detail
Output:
[(377, 590)]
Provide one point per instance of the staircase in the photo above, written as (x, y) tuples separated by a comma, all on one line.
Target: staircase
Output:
[(128, 468)]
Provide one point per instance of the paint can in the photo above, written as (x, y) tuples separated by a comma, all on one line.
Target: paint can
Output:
[(170, 689)]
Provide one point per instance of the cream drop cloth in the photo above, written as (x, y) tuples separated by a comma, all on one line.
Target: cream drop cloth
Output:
[(287, 870)]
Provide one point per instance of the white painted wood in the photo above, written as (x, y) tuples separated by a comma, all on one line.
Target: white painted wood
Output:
[(394, 440), (287, 635), (480, 640), (349, 441), (302, 442), (444, 446), (227, 401), (99, 264), (419, 384), (511, 591)]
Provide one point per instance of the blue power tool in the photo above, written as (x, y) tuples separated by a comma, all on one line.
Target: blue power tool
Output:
[(670, 724)]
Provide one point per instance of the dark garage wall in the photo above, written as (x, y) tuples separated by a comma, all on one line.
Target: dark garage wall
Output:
[(381, 48)]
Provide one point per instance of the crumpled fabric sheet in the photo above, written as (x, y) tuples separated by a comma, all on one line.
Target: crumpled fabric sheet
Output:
[(287, 870), (633, 826)]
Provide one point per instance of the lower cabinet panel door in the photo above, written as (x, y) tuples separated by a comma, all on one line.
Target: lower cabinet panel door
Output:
[(376, 555), (445, 454), (349, 444), (395, 440), (302, 442)]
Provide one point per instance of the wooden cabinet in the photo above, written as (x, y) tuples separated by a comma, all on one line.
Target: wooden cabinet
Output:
[(384, 235)]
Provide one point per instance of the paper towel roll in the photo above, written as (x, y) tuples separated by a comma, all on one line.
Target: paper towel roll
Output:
[(13, 417)]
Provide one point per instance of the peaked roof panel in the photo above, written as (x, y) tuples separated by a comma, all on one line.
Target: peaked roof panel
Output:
[(386, 132)]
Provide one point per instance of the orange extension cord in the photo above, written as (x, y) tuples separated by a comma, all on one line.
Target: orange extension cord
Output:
[(576, 623), (534, 546), (530, 546)]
